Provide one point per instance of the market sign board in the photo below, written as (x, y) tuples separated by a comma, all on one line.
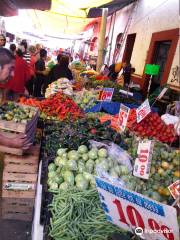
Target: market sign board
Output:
[(123, 116), (143, 110), (106, 94), (151, 220), (152, 69), (143, 161)]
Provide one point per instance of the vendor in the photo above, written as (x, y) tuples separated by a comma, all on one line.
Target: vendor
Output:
[(7, 64), (114, 70)]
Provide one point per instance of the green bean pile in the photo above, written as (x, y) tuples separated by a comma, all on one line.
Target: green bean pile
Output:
[(77, 215)]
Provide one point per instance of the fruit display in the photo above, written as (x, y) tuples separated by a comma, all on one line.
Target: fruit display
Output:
[(152, 126), (86, 99), (57, 106), (61, 85), (163, 172), (77, 168), (13, 112)]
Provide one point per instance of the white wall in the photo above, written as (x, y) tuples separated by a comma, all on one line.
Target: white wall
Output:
[(148, 17)]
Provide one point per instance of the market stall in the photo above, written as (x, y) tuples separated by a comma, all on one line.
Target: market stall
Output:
[(77, 147), (103, 162)]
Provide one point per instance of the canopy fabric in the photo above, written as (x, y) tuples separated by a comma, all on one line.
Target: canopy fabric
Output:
[(54, 24), (10, 7), (65, 16), (75, 8)]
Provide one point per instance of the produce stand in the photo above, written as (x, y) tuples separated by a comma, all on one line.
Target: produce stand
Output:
[(83, 139)]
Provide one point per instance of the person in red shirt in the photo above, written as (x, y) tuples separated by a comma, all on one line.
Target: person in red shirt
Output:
[(16, 85), (7, 64)]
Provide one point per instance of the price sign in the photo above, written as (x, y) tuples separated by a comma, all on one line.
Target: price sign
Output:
[(162, 93), (143, 161), (131, 211), (123, 116), (175, 189), (106, 94), (143, 110)]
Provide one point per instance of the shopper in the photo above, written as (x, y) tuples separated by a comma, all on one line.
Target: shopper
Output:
[(2, 40), (13, 48), (7, 63), (61, 70), (16, 85), (26, 54), (41, 73), (30, 83)]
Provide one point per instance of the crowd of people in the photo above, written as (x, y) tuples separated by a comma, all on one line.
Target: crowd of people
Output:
[(31, 74)]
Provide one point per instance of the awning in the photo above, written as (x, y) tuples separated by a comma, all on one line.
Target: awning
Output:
[(64, 17), (10, 7), (112, 6)]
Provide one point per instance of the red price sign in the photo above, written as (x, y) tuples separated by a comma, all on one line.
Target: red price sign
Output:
[(123, 116), (134, 212), (143, 110), (106, 94), (143, 161)]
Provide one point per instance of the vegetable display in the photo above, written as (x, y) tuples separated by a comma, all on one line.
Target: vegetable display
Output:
[(79, 216), (71, 134), (86, 99), (61, 85), (102, 83), (12, 112), (78, 168), (57, 106)]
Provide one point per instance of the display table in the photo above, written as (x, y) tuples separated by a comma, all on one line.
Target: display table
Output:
[(37, 229)]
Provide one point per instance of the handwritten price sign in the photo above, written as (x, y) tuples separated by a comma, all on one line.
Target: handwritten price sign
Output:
[(123, 116), (106, 94), (143, 161), (130, 210), (143, 110)]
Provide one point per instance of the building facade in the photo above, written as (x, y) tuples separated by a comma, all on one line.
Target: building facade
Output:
[(145, 32)]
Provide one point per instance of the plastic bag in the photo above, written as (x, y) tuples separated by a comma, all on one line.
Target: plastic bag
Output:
[(119, 158), (169, 119)]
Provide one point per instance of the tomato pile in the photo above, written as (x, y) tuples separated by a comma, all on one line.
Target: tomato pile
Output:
[(152, 126), (58, 106)]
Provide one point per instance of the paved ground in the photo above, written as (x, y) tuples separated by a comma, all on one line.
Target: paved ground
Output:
[(15, 230)]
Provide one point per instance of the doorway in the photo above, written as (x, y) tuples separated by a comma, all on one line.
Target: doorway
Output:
[(166, 40), (160, 55), (129, 48)]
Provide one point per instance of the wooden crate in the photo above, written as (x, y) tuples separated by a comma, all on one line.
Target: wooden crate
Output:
[(20, 127), (15, 128), (17, 209), (20, 174)]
